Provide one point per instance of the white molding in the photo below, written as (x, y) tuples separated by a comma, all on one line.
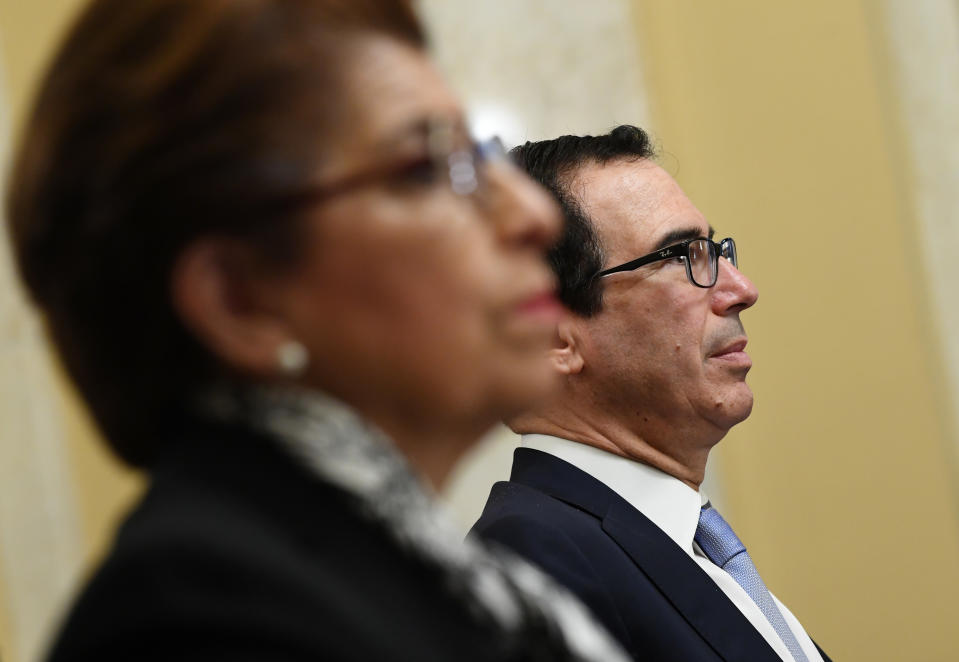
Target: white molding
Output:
[(552, 66), (40, 544), (923, 42)]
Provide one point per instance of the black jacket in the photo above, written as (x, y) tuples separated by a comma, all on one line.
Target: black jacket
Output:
[(236, 553)]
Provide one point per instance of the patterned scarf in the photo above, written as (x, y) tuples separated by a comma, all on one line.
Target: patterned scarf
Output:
[(534, 614)]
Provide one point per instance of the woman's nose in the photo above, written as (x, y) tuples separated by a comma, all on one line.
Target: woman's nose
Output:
[(524, 214)]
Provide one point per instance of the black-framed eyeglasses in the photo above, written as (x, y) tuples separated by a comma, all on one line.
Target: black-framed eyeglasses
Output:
[(700, 255)]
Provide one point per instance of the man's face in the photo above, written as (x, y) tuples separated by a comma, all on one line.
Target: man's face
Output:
[(663, 356)]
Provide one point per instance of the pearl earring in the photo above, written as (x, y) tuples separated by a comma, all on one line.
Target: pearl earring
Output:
[(292, 358)]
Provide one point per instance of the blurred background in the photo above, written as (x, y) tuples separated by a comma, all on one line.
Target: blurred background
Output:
[(822, 134)]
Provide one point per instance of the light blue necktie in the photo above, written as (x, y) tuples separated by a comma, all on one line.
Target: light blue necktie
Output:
[(721, 545)]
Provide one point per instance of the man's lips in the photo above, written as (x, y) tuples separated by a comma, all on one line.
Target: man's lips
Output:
[(734, 353)]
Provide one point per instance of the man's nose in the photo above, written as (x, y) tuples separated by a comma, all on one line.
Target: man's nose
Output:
[(733, 292), (524, 213)]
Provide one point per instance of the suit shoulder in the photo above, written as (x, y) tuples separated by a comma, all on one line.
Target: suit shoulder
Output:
[(513, 504), (564, 541)]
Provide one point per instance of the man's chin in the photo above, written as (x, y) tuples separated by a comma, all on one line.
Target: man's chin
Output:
[(745, 410), (734, 407)]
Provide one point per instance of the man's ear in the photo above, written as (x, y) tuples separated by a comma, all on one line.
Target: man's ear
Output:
[(216, 293), (565, 354)]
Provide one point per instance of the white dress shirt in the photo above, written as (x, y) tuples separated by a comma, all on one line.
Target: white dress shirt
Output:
[(674, 507)]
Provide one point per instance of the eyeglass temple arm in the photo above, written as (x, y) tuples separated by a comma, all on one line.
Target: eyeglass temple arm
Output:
[(664, 254)]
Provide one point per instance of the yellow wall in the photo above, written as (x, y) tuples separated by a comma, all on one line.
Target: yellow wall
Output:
[(6, 629), (27, 33), (775, 118), (104, 488)]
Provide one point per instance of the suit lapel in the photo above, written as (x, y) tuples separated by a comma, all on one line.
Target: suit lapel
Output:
[(690, 590), (686, 586)]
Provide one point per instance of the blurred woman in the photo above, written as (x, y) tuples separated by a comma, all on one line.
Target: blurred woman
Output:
[(292, 290)]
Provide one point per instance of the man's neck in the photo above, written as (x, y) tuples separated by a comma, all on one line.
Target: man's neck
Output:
[(675, 456)]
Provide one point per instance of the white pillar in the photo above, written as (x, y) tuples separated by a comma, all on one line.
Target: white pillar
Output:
[(923, 43), (540, 68), (40, 550)]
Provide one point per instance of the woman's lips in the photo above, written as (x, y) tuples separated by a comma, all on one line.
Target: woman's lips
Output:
[(543, 307)]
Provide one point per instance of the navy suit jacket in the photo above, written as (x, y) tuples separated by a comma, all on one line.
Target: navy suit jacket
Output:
[(646, 590)]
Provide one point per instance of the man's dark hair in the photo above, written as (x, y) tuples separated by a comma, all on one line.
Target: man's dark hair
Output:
[(579, 253)]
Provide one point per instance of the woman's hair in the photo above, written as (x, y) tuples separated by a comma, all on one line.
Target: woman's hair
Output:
[(161, 121)]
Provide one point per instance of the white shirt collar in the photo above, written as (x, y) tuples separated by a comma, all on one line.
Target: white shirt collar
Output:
[(669, 503)]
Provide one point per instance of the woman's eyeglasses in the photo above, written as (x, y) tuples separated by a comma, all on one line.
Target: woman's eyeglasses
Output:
[(451, 157)]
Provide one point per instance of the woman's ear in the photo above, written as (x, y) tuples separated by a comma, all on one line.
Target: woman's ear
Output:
[(565, 354), (218, 292)]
